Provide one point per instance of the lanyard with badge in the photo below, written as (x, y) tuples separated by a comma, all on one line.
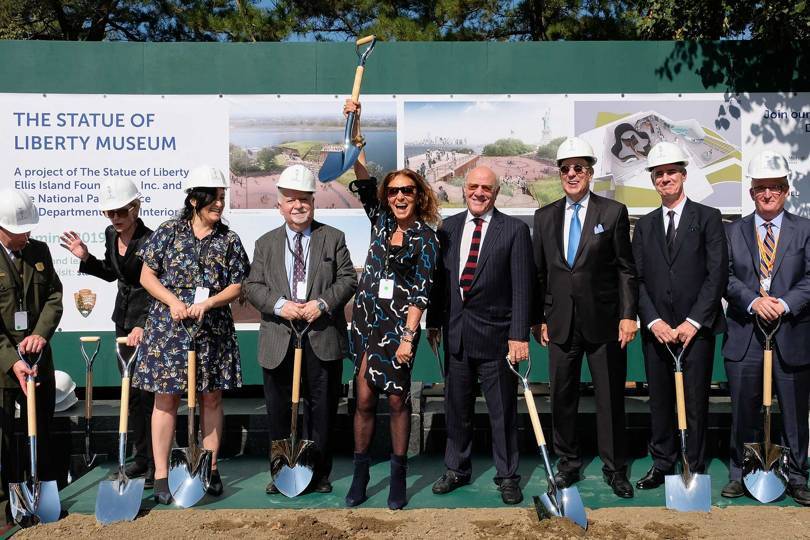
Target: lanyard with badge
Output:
[(21, 315), (386, 291), (201, 293), (765, 283), (300, 286)]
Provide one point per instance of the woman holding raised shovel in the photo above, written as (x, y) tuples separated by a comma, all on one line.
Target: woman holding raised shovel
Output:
[(391, 297), (194, 266), (119, 201)]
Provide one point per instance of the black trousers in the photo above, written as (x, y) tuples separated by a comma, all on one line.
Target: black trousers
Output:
[(608, 366), (792, 386), (141, 403), (499, 387), (14, 458), (320, 392), (697, 361)]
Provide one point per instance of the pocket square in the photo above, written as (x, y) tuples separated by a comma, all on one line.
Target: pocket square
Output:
[(598, 229)]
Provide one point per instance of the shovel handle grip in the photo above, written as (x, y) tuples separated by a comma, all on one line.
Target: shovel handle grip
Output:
[(31, 406), (88, 395), (767, 373), (358, 80), (192, 379), (121, 340), (123, 415), (89, 339), (363, 41), (296, 382), (535, 418), (679, 399)]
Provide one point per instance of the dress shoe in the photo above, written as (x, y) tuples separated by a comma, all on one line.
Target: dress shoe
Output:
[(621, 486), (653, 479), (565, 479), (322, 485), (161, 491), (149, 478), (448, 482), (510, 491), (733, 489), (800, 493), (136, 470), (271, 488), (215, 486)]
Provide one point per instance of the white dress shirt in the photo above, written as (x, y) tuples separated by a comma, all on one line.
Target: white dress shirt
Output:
[(569, 212)]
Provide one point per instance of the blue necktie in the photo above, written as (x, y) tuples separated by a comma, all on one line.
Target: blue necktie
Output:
[(574, 232)]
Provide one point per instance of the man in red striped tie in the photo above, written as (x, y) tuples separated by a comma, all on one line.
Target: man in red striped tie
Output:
[(480, 300), (769, 278)]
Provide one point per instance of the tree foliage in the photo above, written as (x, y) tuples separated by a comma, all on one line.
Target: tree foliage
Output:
[(506, 147)]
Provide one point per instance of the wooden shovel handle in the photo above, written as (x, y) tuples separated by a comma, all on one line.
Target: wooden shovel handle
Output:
[(358, 80), (31, 405), (679, 399), (296, 382), (363, 41), (88, 395), (123, 415), (121, 340), (535, 418), (89, 339), (767, 371), (192, 379)]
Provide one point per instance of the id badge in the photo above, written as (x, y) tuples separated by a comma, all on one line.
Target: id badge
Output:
[(201, 294), (765, 283), (301, 290), (386, 289), (20, 320)]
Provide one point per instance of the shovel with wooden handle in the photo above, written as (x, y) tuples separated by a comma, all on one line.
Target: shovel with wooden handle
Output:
[(685, 492), (81, 463), (190, 468), (292, 461), (120, 499), (33, 501), (341, 158), (557, 502), (765, 465)]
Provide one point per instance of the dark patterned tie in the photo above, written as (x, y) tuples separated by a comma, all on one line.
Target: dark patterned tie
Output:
[(671, 230), (472, 258), (298, 266), (18, 261), (766, 256)]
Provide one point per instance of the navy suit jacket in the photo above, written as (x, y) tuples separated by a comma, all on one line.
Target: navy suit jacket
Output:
[(790, 282), (497, 306)]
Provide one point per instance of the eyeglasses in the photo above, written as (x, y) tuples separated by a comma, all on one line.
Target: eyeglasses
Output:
[(121, 212), (776, 190), (579, 169), (408, 191)]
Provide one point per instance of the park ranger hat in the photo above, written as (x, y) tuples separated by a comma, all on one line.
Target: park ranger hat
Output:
[(297, 177), (574, 147), (205, 176), (666, 153), (768, 164), (116, 193), (17, 211)]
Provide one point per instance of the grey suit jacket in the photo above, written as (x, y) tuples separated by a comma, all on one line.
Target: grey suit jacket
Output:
[(330, 276)]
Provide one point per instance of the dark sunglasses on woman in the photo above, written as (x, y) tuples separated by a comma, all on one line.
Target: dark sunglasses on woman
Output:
[(408, 191), (121, 212)]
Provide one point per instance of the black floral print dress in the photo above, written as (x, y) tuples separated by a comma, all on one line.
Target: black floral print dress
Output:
[(377, 323), (183, 263)]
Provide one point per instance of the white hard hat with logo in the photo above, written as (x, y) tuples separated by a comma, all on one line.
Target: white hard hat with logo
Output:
[(17, 211), (768, 164), (574, 147), (297, 177), (205, 176), (65, 397), (666, 153), (116, 193)]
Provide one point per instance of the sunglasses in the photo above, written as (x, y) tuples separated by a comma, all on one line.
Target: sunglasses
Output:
[(121, 212), (408, 191), (579, 169)]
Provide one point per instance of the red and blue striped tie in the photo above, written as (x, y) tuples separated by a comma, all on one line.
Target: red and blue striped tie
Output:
[(472, 259)]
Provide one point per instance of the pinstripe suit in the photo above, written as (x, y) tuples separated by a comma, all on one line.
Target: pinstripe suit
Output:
[(476, 329)]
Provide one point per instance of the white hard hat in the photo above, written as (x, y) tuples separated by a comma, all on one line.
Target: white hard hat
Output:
[(768, 164), (297, 177), (665, 153), (205, 176), (65, 397), (573, 147), (17, 211), (116, 193)]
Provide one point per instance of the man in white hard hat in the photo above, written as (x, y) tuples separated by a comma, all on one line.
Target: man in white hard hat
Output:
[(302, 274), (586, 301), (769, 278), (30, 310), (682, 265)]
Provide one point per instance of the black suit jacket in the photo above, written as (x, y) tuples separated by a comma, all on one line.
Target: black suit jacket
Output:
[(602, 283), (692, 282), (132, 301), (497, 306)]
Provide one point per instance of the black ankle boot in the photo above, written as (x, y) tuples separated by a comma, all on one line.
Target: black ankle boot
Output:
[(397, 498), (161, 491), (357, 493)]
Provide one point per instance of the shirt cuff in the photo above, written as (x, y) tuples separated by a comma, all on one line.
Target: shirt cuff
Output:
[(694, 323), (749, 310), (784, 305), (649, 326), (279, 304)]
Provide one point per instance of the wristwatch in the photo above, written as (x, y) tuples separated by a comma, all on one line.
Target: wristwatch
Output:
[(322, 305)]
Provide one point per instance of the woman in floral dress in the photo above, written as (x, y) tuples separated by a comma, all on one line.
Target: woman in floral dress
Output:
[(193, 268)]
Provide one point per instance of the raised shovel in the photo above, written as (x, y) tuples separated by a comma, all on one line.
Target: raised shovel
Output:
[(190, 468), (765, 465), (120, 499), (33, 501), (556, 502), (688, 491), (292, 461), (340, 158), (81, 463)]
